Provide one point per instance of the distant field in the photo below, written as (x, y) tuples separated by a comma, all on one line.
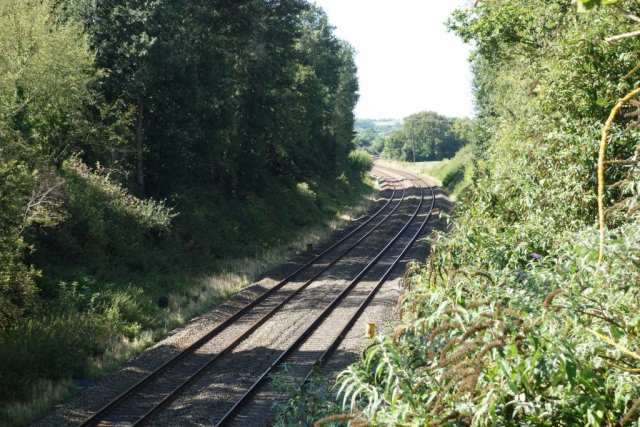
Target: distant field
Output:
[(392, 123), (381, 125)]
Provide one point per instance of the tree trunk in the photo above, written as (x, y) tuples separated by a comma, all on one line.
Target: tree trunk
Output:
[(139, 144)]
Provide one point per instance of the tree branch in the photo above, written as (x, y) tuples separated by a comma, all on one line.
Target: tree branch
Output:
[(622, 36), (626, 13), (632, 72)]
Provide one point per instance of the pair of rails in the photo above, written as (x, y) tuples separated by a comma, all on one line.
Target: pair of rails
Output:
[(144, 399)]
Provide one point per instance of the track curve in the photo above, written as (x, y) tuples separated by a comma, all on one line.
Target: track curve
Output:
[(372, 249)]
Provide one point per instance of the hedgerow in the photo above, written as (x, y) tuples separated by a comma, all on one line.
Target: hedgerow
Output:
[(512, 320)]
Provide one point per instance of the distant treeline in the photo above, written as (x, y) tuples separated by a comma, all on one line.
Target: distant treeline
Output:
[(424, 136), (377, 123), (220, 93)]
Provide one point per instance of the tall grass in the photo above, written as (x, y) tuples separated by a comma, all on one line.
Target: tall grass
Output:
[(44, 394), (237, 273)]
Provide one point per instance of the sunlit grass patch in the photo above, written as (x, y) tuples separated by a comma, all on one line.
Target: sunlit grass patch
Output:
[(45, 394)]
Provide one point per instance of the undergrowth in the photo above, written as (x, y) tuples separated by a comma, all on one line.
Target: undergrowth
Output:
[(510, 321), (113, 258)]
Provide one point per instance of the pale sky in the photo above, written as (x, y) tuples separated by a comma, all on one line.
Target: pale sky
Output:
[(407, 61)]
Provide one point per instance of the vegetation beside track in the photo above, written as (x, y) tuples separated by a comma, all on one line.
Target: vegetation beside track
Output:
[(454, 175), (512, 321), (155, 156)]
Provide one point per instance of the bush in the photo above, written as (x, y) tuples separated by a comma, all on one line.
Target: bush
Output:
[(360, 162), (455, 173), (55, 346), (301, 410), (17, 286), (106, 230), (513, 320), (532, 346)]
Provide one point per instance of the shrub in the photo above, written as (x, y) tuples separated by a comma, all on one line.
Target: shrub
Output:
[(56, 346), (17, 286), (360, 162), (513, 321), (105, 230)]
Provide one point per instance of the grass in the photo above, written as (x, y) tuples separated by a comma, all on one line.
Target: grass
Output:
[(46, 393), (238, 273), (193, 299)]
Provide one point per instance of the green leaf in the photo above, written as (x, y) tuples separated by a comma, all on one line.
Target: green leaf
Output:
[(586, 5)]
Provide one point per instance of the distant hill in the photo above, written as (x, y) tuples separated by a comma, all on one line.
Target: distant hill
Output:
[(379, 125)]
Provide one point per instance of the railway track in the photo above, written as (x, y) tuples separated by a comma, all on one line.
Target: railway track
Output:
[(239, 385)]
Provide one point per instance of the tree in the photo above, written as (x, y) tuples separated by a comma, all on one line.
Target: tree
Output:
[(276, 87), (428, 134), (45, 78), (366, 137)]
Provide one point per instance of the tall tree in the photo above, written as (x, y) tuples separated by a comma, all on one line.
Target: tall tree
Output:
[(429, 135)]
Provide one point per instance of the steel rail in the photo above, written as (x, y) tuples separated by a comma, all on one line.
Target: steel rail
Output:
[(257, 324), (370, 296), (302, 337), (218, 328)]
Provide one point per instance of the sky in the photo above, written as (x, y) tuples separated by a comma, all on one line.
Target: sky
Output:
[(407, 61)]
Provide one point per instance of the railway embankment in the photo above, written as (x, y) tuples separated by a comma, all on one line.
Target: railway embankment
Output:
[(311, 308)]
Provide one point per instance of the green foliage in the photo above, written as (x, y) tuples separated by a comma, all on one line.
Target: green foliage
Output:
[(45, 75), (372, 134), (497, 331), (236, 120), (360, 162), (17, 287), (56, 346), (61, 337), (584, 5), (491, 355), (427, 136), (365, 123), (511, 321), (457, 173), (366, 137), (45, 79), (276, 87), (105, 230), (316, 400)]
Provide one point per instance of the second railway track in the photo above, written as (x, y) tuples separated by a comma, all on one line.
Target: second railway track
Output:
[(297, 321)]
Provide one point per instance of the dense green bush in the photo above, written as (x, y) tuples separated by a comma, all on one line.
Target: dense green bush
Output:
[(303, 407), (499, 336), (56, 346), (106, 236), (61, 337), (17, 286), (360, 162), (456, 173), (44, 77)]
